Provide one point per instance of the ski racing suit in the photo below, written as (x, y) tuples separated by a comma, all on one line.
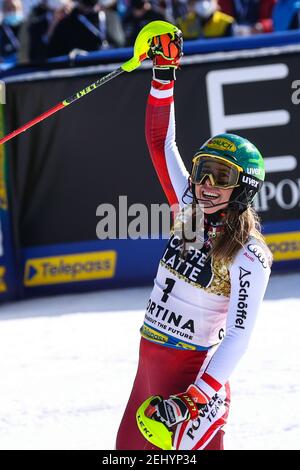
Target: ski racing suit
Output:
[(200, 314)]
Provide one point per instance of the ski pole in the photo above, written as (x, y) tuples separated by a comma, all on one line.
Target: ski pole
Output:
[(153, 431), (141, 48), (62, 105)]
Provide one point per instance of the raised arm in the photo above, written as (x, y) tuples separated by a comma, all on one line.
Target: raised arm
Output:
[(160, 132)]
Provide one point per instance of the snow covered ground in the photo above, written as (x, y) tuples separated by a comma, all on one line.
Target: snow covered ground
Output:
[(65, 378)]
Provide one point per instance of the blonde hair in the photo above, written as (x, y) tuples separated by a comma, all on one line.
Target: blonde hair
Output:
[(238, 228)]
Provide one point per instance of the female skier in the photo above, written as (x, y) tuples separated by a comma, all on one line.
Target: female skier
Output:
[(205, 300)]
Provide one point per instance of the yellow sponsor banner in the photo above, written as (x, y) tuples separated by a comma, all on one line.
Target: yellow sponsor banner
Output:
[(221, 144), (70, 268), (154, 335), (284, 246), (186, 346), (3, 286)]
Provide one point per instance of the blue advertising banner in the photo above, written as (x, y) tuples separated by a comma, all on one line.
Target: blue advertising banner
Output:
[(93, 265)]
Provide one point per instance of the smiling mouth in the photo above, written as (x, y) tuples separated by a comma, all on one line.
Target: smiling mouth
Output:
[(209, 195)]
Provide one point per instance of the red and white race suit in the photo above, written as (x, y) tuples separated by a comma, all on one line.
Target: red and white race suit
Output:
[(200, 314)]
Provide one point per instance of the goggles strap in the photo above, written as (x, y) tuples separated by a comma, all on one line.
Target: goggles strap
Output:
[(249, 181)]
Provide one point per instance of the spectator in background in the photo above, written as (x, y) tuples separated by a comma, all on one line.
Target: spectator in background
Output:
[(203, 19), (179, 8), (141, 13), (12, 19), (90, 26), (252, 16), (38, 27), (286, 15)]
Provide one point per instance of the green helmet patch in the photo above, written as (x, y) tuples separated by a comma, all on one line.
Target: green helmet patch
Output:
[(237, 150)]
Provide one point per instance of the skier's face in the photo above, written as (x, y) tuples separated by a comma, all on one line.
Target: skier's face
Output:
[(209, 195)]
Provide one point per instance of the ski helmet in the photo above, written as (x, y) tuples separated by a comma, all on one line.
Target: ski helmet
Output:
[(242, 153)]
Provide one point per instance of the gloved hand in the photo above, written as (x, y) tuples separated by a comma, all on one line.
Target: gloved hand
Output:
[(177, 408), (166, 53)]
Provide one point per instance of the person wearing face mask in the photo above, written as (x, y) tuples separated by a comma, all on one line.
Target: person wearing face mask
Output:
[(12, 19), (204, 20), (92, 25)]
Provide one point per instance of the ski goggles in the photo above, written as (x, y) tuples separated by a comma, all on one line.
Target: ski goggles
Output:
[(221, 173)]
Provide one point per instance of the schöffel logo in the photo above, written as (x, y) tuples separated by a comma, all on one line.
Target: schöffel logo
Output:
[(250, 181), (222, 144), (70, 268), (243, 296), (243, 273)]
